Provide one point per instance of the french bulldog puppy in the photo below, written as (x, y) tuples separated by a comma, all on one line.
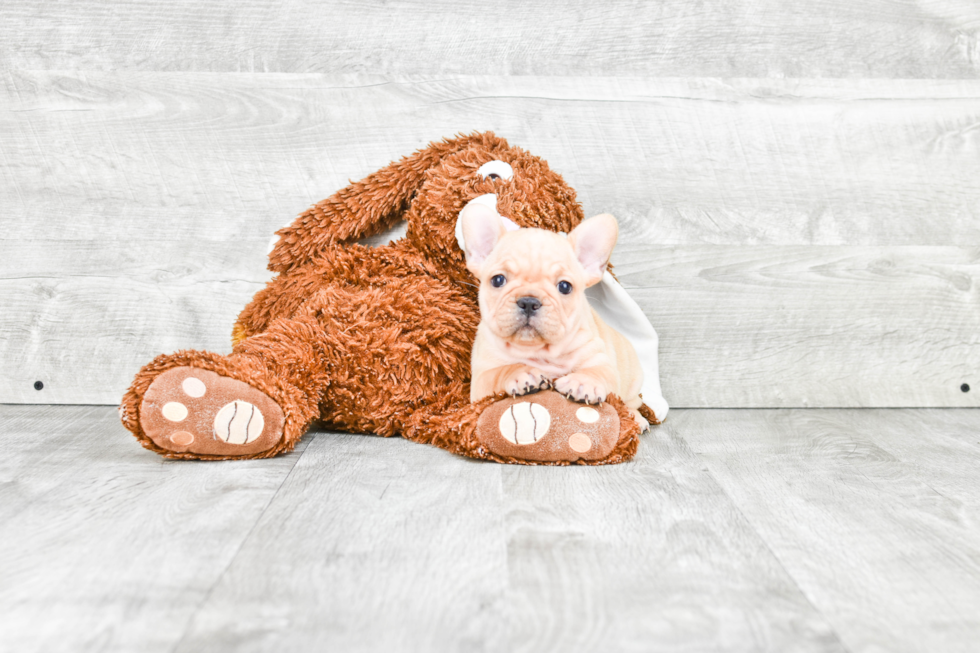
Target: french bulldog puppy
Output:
[(537, 330)]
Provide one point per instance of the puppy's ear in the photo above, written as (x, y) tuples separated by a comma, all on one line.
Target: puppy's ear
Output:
[(365, 207), (593, 242), (482, 228)]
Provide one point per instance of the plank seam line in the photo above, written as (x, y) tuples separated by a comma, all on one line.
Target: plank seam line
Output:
[(765, 543), (217, 581)]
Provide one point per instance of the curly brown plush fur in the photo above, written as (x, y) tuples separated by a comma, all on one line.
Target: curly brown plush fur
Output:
[(378, 340)]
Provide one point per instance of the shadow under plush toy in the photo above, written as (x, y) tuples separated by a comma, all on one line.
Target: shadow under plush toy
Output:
[(378, 339)]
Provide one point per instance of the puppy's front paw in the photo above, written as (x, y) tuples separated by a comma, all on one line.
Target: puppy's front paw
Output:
[(582, 387), (640, 420), (526, 381)]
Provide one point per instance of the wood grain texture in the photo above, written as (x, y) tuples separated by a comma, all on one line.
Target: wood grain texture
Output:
[(733, 530), (811, 326), (218, 157), (715, 38), (137, 209), (83, 316), (372, 545), (739, 327), (874, 513), (645, 556), (106, 546), (375, 545)]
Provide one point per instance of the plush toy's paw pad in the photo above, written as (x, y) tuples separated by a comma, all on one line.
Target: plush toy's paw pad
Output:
[(191, 410), (546, 427)]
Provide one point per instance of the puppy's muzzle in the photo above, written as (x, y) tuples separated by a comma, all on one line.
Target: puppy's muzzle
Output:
[(528, 305)]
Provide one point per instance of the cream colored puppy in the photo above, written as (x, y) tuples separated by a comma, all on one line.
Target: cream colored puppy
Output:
[(536, 329)]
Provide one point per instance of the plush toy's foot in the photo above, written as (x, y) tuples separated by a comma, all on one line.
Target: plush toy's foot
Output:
[(548, 428), (190, 410)]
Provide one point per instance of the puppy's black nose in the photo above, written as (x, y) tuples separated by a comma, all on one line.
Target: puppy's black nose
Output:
[(529, 304)]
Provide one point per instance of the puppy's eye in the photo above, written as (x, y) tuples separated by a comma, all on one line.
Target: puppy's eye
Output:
[(564, 287), (496, 170), (498, 280)]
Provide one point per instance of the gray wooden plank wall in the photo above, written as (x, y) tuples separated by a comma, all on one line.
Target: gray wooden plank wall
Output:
[(934, 39), (799, 185)]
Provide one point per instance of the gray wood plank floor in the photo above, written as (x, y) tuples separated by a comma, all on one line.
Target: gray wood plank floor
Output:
[(734, 530)]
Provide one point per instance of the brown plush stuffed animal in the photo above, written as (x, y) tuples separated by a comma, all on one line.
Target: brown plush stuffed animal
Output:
[(378, 340)]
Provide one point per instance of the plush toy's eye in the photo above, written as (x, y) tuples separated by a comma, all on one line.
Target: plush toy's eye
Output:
[(564, 287), (496, 170), (498, 280)]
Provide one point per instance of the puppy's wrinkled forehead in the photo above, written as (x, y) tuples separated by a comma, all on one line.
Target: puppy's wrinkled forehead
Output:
[(532, 254)]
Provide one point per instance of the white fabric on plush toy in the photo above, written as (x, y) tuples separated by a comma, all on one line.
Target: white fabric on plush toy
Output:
[(617, 309)]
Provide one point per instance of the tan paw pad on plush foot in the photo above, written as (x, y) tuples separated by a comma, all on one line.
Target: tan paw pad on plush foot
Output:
[(547, 427), (191, 410)]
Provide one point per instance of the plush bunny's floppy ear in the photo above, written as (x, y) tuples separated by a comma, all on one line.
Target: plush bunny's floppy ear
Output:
[(593, 242), (363, 208)]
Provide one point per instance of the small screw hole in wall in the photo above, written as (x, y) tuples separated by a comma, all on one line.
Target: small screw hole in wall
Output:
[(38, 385), (965, 387)]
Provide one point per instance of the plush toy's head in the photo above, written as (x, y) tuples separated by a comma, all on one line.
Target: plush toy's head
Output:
[(519, 185), (429, 189)]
